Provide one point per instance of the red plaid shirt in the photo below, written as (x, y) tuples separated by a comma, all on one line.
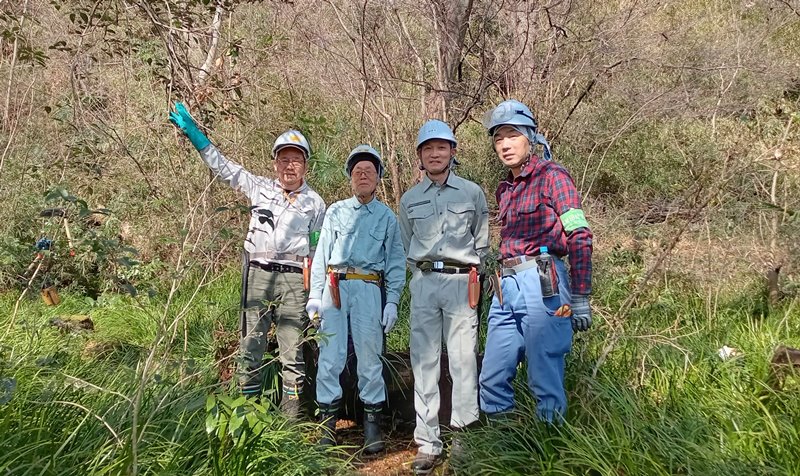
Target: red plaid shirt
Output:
[(530, 206)]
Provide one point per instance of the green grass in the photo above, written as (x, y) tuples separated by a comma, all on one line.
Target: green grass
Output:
[(662, 403), (68, 401)]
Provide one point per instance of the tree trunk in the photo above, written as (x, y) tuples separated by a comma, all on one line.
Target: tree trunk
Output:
[(451, 19), (12, 67)]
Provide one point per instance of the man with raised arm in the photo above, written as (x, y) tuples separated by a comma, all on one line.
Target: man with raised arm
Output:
[(285, 218)]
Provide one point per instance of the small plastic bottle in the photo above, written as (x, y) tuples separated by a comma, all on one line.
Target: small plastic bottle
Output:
[(547, 273)]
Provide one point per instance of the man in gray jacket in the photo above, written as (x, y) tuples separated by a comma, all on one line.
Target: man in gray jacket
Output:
[(286, 216), (444, 224)]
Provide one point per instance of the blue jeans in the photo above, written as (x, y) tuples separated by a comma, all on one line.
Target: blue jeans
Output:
[(526, 327)]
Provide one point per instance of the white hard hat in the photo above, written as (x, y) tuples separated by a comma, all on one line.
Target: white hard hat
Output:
[(291, 138)]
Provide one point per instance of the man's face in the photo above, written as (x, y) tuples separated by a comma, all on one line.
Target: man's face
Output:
[(512, 147), (291, 166), (435, 155), (364, 178)]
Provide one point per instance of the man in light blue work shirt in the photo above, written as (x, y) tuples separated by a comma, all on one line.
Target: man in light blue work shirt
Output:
[(359, 252)]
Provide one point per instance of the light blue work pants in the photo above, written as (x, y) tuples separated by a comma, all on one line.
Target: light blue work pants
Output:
[(361, 309)]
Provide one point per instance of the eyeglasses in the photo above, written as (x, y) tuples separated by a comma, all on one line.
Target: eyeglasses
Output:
[(503, 113), (364, 172), (293, 161)]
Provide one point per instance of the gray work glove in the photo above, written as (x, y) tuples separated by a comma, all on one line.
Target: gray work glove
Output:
[(581, 313)]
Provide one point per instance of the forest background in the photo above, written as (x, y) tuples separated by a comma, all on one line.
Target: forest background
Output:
[(678, 121)]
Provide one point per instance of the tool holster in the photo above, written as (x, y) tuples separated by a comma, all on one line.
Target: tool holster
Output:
[(333, 287), (307, 273), (474, 288)]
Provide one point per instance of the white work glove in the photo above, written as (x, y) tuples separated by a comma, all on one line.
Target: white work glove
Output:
[(314, 310), (389, 317)]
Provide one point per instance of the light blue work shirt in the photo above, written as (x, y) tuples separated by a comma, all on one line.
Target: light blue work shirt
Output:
[(362, 236)]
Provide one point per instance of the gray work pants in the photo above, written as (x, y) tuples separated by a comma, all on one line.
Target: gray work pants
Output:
[(439, 307), (279, 298)]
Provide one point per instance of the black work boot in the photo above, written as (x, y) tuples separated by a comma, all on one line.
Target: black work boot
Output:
[(290, 402), (328, 415), (500, 418), (425, 462), (373, 438)]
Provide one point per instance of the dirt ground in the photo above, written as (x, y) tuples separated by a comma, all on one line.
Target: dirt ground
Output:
[(394, 461)]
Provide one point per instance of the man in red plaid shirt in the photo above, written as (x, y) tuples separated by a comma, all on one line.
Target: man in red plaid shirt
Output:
[(540, 303)]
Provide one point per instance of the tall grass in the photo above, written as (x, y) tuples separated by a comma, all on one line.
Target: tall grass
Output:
[(66, 400), (664, 402)]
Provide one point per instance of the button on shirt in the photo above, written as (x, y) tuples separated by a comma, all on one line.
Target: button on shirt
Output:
[(362, 236), (280, 221), (448, 222), (530, 206)]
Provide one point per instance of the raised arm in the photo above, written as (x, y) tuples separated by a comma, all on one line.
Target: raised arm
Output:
[(233, 174)]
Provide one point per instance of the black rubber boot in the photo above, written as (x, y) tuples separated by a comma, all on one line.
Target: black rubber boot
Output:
[(500, 418), (373, 437), (328, 415), (290, 403)]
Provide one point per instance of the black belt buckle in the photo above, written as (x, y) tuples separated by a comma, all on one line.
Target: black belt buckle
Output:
[(286, 268), (426, 266), (277, 267)]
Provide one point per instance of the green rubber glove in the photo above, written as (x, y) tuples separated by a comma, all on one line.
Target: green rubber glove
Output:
[(181, 118)]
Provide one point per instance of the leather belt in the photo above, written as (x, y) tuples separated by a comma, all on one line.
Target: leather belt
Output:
[(344, 273), (513, 270), (443, 267), (517, 260), (277, 267)]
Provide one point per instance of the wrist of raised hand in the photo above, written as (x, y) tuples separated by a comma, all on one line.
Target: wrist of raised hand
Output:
[(197, 138), (183, 120)]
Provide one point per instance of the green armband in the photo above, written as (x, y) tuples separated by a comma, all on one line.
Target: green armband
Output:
[(573, 219), (313, 238)]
